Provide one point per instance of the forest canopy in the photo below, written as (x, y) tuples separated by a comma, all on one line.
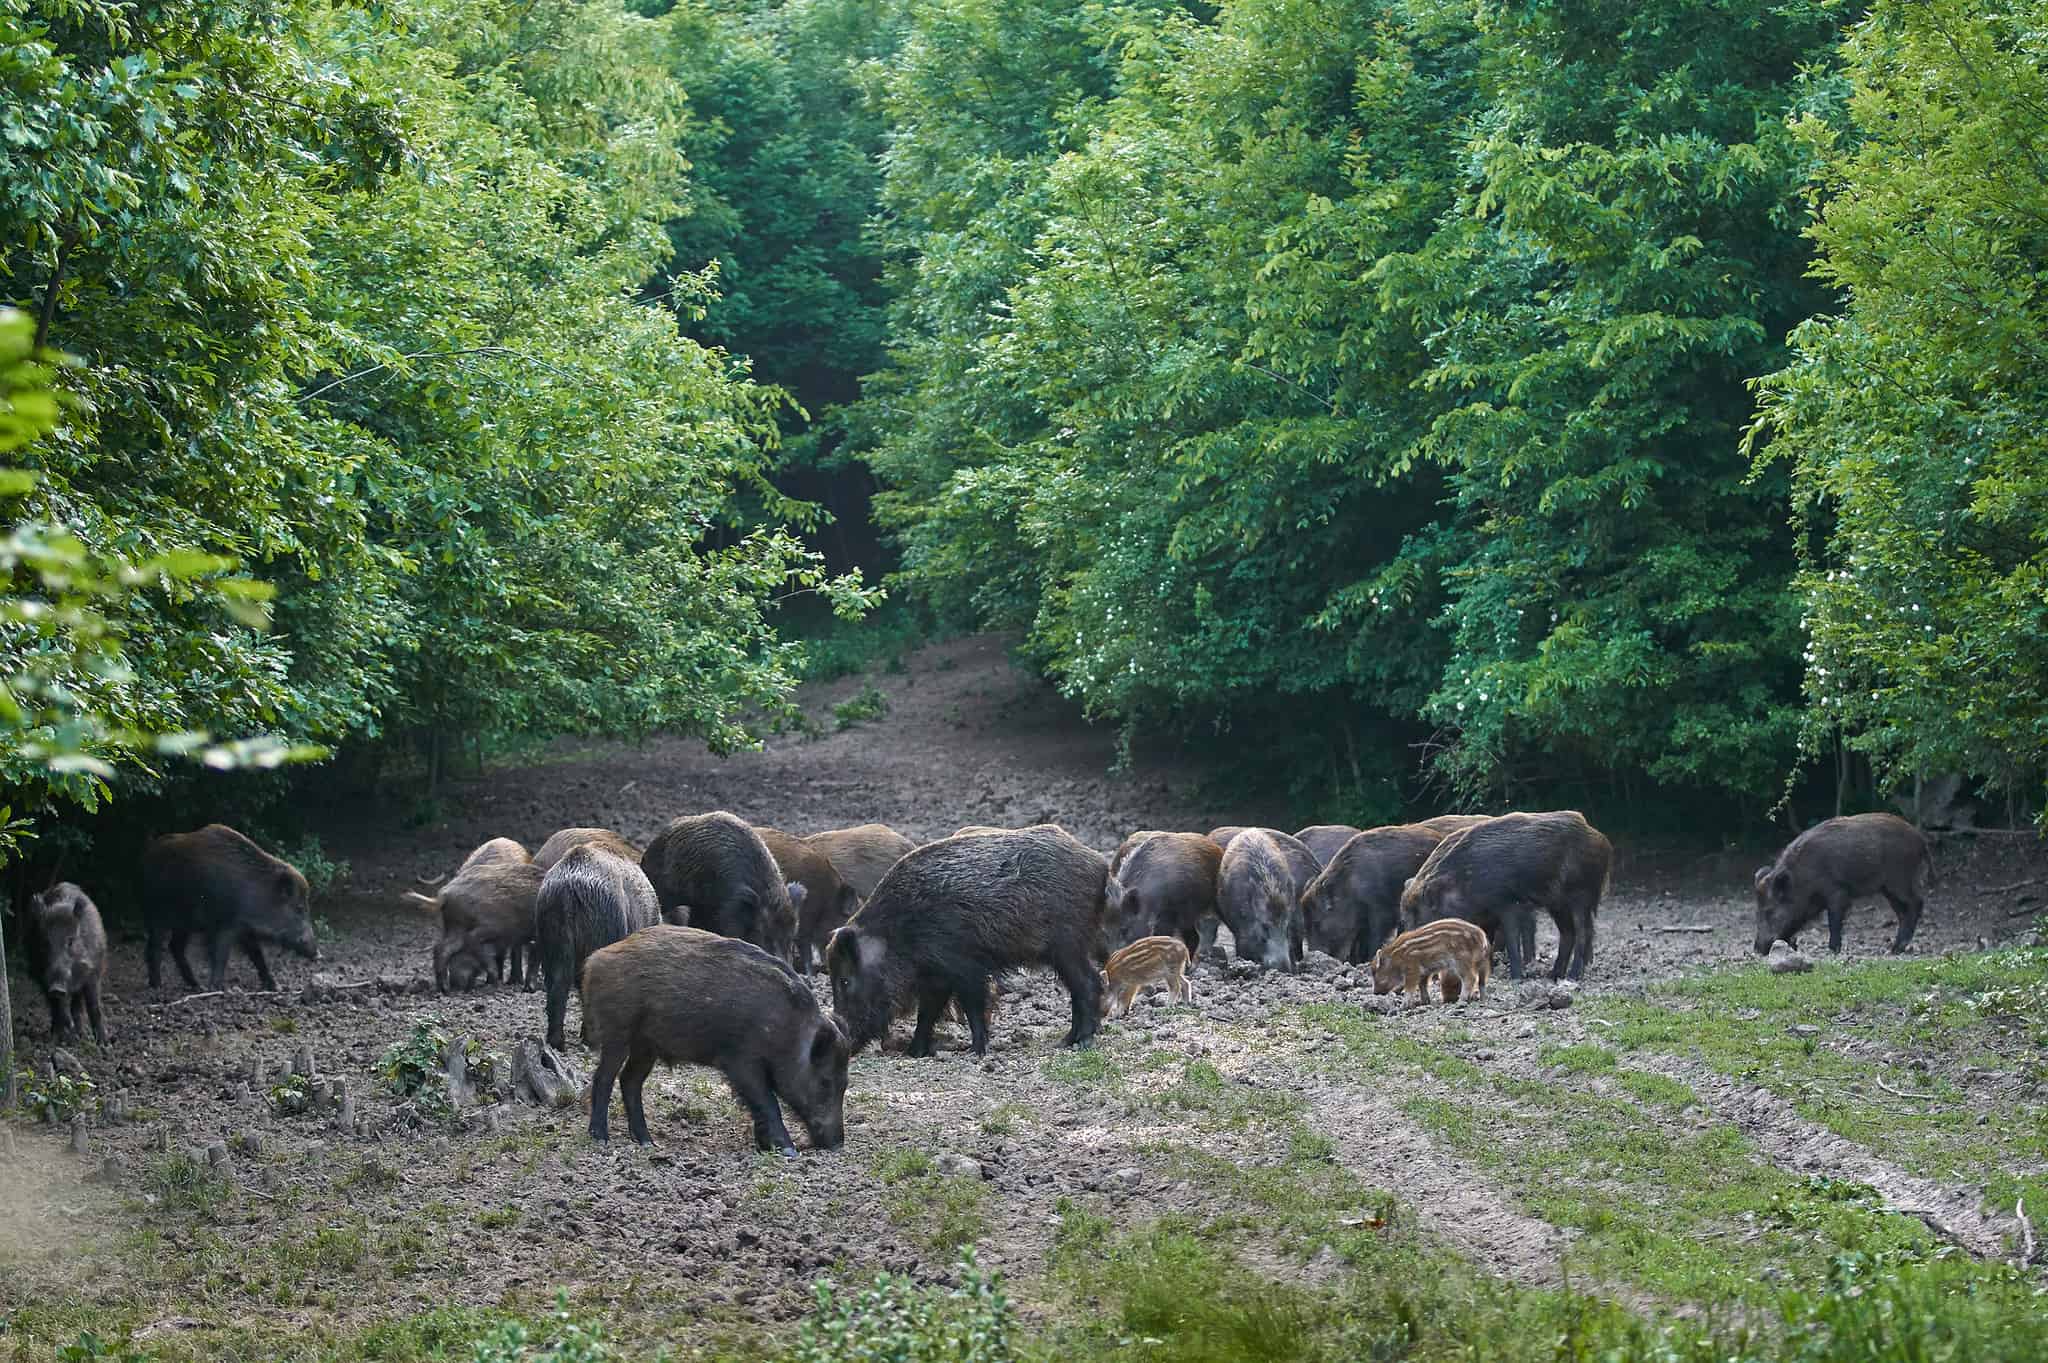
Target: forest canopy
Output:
[(1540, 403)]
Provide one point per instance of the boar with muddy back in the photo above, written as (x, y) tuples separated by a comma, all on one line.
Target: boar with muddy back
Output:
[(1325, 840), (1169, 889), (1354, 905), (486, 911), (684, 997), (217, 884), (590, 899), (1450, 950), (1832, 865), (957, 912), (862, 855), (70, 959), (558, 845), (827, 900), (713, 872), (1498, 873), (1149, 960), (1258, 896)]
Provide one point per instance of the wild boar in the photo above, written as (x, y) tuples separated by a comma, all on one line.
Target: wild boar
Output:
[(956, 912), (1325, 840), (686, 997), (828, 900), (1832, 865), (1258, 898), (1496, 873), (487, 915), (1149, 960), (216, 883), (1449, 947), (1169, 888), (590, 899), (714, 870), (1353, 906), (71, 958), (558, 845), (862, 855)]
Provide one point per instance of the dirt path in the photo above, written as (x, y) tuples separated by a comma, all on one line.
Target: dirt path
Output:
[(305, 1221)]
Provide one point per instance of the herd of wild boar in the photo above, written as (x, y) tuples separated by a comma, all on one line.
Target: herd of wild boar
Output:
[(696, 948)]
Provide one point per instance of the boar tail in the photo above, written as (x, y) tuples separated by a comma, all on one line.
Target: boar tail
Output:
[(416, 897)]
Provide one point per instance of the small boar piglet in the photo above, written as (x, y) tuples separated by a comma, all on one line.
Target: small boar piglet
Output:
[(1450, 948), (1149, 960)]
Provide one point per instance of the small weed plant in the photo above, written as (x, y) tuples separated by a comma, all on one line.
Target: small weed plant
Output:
[(869, 704), (323, 873), (56, 1097), (563, 1339), (895, 1321)]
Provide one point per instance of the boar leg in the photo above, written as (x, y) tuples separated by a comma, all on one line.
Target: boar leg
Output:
[(608, 1063), (1838, 911), (255, 950), (218, 945), (1567, 942), (91, 997), (1511, 935), (756, 1092), (631, 1081), (152, 954), (178, 940), (60, 1015), (929, 1006), (1084, 984), (976, 1010), (1528, 930), (1908, 910)]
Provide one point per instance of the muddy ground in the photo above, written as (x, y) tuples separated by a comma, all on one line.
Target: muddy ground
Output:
[(301, 1222)]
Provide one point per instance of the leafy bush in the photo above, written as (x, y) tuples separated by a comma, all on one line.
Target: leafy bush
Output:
[(869, 704), (322, 872), (563, 1339)]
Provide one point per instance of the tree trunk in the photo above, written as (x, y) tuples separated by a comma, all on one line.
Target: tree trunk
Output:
[(7, 1095)]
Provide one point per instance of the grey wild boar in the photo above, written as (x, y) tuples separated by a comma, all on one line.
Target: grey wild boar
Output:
[(1832, 865), (71, 959), (592, 898)]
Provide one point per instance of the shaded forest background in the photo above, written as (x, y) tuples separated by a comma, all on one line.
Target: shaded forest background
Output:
[(1635, 407)]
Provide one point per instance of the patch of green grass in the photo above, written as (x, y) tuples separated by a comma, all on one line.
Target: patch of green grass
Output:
[(1877, 1030), (1003, 1119), (1586, 1059), (500, 1218), (186, 1185), (869, 703), (944, 1211), (835, 648), (284, 1025), (1084, 1065)]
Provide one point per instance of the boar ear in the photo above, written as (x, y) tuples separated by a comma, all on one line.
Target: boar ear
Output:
[(1763, 873), (1781, 885), (287, 880), (849, 902), (796, 894), (823, 1042)]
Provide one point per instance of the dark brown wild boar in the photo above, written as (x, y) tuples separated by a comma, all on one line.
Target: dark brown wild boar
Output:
[(1498, 872), (486, 910), (1325, 840), (956, 912), (827, 901), (1832, 865), (218, 884), (590, 899), (862, 855), (71, 959), (714, 871), (685, 997), (557, 846), (1130, 844), (1354, 905), (1169, 889), (1258, 896)]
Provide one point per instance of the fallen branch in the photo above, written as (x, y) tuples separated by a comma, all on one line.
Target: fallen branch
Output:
[(220, 993), (2016, 885), (2019, 1210), (1687, 927), (2028, 912), (1901, 1093)]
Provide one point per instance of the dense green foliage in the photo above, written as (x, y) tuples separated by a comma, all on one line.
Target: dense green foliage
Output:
[(1586, 397), (352, 297)]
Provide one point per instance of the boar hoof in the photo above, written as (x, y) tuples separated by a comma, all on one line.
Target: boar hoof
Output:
[(789, 1152)]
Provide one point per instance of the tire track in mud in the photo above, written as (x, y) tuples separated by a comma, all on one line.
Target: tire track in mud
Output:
[(1803, 1146)]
